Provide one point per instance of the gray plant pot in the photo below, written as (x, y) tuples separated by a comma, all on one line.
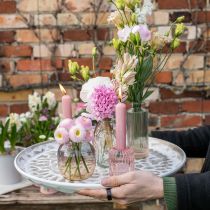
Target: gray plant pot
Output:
[(8, 173)]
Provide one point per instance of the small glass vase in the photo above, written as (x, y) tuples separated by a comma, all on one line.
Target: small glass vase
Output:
[(137, 131), (76, 161), (103, 142)]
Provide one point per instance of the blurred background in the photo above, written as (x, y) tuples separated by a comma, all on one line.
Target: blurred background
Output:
[(37, 37)]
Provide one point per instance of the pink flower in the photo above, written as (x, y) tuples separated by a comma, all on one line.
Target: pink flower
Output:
[(84, 121), (77, 133), (143, 31), (66, 123), (80, 107), (102, 103), (89, 135), (61, 135), (124, 33), (43, 118)]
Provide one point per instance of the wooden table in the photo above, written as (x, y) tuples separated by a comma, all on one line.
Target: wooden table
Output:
[(31, 199)]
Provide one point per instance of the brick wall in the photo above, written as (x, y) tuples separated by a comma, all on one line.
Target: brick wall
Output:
[(38, 37)]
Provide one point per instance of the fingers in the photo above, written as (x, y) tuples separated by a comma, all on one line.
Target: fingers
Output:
[(115, 181), (99, 194)]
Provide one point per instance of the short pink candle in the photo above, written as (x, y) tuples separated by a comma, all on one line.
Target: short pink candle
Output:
[(66, 104), (120, 126)]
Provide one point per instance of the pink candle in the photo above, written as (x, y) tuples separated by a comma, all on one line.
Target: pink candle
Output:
[(120, 126), (66, 104)]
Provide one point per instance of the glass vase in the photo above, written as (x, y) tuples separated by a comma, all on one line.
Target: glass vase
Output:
[(103, 142), (137, 131), (76, 161)]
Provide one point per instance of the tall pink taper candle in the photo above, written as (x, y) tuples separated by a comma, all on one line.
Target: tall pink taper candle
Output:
[(66, 104), (120, 112)]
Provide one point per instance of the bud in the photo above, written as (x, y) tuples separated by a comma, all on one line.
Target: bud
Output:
[(73, 67), (180, 27), (85, 72), (94, 52), (120, 4), (180, 19), (175, 43), (116, 44)]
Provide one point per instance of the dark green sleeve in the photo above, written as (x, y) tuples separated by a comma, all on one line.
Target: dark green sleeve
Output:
[(170, 192)]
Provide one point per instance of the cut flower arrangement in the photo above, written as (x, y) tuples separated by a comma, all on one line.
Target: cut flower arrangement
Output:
[(139, 59)]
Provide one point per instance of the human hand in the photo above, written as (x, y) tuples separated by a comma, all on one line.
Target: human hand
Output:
[(129, 188)]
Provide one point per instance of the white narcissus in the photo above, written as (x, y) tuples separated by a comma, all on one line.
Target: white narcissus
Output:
[(91, 84)]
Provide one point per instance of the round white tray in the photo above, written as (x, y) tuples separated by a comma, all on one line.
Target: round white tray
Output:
[(38, 163)]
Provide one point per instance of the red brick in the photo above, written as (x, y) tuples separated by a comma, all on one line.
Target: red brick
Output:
[(180, 49), (164, 107), (199, 46), (19, 80), (80, 61), (16, 51), (104, 74), (105, 63), (207, 120), (64, 77), (4, 110), (85, 35), (201, 17), (180, 4), (196, 106), (7, 36), (19, 108), (164, 77), (7, 7), (34, 65), (168, 94), (181, 121)]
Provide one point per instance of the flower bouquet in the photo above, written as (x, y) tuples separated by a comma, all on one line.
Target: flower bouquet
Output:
[(76, 155)]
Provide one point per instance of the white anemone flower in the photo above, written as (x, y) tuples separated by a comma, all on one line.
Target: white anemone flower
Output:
[(91, 84)]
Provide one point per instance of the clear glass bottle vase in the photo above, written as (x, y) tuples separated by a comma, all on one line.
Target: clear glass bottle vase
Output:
[(137, 131), (76, 161), (103, 142)]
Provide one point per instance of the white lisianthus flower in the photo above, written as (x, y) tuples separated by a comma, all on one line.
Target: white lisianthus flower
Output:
[(50, 98), (34, 101), (143, 12), (91, 84), (14, 120), (124, 34)]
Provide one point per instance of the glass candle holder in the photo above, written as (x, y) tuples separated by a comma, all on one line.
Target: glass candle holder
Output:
[(121, 161)]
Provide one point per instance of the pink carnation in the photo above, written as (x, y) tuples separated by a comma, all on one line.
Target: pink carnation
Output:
[(103, 102)]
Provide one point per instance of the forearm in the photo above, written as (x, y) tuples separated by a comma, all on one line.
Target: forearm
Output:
[(194, 142)]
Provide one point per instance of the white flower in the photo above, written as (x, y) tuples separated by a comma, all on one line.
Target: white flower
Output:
[(14, 120), (34, 101), (91, 84), (124, 34), (50, 98), (143, 12), (42, 137)]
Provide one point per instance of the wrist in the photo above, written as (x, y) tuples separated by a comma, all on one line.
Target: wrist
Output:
[(159, 189)]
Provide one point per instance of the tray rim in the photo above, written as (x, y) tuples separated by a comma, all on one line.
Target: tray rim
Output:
[(89, 185)]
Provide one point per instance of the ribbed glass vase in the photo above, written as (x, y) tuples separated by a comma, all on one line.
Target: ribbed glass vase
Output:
[(103, 142), (137, 131)]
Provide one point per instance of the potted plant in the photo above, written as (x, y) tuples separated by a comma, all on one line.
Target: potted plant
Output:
[(10, 133)]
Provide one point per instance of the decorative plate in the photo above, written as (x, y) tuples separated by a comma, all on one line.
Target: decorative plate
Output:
[(38, 163)]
